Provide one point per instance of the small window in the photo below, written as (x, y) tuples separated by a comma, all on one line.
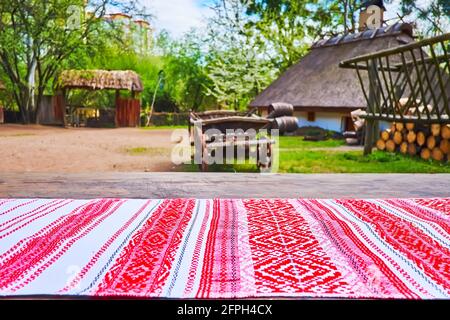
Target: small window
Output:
[(311, 116)]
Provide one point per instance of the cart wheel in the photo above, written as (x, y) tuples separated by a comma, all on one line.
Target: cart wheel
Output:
[(204, 166), (268, 158)]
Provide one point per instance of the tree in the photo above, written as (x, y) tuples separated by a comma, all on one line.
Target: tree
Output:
[(433, 16), (289, 27), (38, 37), (186, 79), (236, 60), (237, 76)]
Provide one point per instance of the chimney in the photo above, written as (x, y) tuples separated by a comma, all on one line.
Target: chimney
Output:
[(371, 15)]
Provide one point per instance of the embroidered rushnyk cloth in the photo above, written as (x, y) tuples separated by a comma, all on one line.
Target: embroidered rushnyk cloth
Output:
[(188, 248)]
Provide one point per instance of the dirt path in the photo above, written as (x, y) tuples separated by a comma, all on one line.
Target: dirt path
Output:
[(82, 150)]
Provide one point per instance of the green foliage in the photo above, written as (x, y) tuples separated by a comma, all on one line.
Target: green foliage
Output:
[(237, 76), (37, 38), (282, 25), (433, 17), (245, 46), (237, 64), (40, 38), (186, 81)]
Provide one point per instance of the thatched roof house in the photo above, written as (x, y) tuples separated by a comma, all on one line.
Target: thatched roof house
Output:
[(322, 93), (100, 79)]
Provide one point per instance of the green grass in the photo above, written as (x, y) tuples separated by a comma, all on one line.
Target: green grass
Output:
[(18, 135), (141, 151), (355, 162), (164, 127), (299, 156), (298, 143)]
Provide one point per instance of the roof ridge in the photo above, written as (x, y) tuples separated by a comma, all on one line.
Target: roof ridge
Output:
[(390, 30)]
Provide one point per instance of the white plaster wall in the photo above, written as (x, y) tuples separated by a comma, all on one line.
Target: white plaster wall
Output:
[(325, 120), (385, 125)]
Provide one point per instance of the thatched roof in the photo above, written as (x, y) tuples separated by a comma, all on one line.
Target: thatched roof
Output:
[(100, 79), (317, 82)]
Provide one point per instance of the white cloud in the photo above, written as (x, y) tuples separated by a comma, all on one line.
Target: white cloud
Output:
[(176, 16)]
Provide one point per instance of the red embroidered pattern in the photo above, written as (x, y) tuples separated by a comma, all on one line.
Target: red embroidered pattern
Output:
[(223, 248), (286, 256), (405, 237), (145, 262)]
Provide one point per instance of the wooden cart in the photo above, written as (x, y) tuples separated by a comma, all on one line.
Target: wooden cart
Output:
[(229, 130)]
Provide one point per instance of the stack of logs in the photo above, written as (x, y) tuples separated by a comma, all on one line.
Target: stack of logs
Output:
[(430, 142)]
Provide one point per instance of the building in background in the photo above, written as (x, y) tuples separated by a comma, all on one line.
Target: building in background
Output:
[(324, 95), (138, 33)]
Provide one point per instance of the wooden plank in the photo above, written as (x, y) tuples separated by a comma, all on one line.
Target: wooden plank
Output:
[(238, 143), (222, 185), (405, 119)]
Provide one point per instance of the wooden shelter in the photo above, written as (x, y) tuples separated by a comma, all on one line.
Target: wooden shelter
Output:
[(323, 94), (408, 85), (127, 110)]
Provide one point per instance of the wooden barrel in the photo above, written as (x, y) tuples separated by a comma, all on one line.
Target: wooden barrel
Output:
[(285, 124), (280, 109)]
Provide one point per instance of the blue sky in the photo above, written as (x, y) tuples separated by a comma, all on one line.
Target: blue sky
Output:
[(177, 16)]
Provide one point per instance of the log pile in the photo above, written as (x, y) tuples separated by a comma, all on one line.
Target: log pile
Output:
[(428, 142)]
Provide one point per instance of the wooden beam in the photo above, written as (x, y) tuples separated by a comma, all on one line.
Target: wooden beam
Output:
[(220, 185), (372, 108), (116, 120), (369, 136), (63, 107)]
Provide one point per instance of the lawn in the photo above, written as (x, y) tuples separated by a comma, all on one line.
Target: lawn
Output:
[(163, 127), (299, 156)]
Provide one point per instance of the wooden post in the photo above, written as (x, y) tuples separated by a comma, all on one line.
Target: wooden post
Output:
[(376, 131), (116, 117), (63, 107), (369, 136), (373, 106)]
